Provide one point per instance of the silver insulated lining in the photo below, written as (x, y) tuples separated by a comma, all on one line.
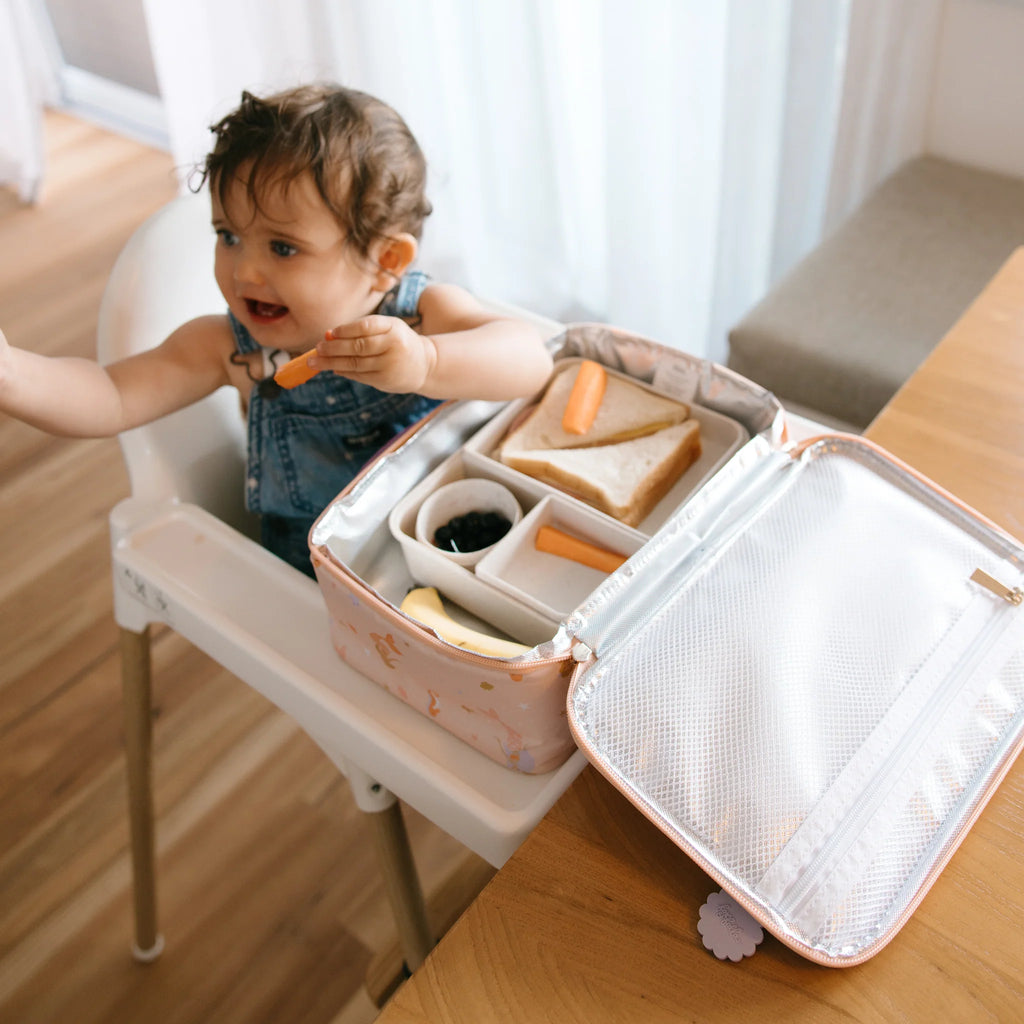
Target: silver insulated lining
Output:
[(801, 685)]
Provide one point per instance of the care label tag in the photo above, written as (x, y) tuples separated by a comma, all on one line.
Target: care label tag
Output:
[(727, 929)]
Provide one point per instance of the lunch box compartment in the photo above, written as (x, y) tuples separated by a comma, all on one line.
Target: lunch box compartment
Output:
[(366, 555)]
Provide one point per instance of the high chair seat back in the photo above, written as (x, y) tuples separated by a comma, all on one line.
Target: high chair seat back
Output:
[(163, 277)]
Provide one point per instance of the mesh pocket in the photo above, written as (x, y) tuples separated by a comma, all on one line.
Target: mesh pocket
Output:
[(733, 711)]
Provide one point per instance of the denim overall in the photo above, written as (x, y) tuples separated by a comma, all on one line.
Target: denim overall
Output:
[(307, 443)]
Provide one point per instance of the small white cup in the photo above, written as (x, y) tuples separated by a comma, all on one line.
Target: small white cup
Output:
[(472, 494)]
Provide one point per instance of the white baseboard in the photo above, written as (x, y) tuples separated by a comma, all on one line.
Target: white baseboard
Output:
[(124, 110)]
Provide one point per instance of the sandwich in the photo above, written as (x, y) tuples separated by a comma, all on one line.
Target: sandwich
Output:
[(626, 411), (637, 446), (625, 480)]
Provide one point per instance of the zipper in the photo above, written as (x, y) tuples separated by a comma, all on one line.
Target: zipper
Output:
[(795, 902)]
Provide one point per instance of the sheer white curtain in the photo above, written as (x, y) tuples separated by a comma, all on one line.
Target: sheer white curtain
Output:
[(28, 81), (890, 58), (651, 163)]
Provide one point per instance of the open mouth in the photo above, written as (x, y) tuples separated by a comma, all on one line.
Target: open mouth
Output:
[(265, 312)]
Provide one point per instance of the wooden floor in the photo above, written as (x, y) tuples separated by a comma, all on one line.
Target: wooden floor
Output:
[(269, 897)]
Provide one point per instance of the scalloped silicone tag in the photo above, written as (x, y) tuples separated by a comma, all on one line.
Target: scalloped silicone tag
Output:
[(727, 929)]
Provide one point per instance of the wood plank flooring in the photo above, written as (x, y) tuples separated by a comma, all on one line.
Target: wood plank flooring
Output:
[(269, 897)]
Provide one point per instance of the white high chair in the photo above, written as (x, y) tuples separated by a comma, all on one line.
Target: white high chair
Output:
[(182, 555)]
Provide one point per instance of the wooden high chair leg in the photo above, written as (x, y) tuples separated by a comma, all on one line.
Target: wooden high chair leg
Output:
[(138, 737), (402, 884), (398, 870)]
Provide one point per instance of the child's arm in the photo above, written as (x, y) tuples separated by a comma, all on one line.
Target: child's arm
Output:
[(79, 398), (464, 351)]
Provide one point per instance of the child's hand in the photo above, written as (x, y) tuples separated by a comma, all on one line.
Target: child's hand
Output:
[(382, 351)]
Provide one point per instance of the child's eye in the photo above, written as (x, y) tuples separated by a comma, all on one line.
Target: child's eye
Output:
[(227, 237), (282, 249)]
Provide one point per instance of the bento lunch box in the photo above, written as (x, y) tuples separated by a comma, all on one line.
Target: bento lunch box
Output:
[(366, 555), (809, 673)]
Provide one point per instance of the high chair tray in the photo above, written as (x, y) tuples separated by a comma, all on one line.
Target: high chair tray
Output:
[(812, 681)]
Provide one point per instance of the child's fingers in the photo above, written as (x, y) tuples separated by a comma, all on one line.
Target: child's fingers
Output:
[(363, 328), (354, 347), (386, 353), (360, 345), (350, 348), (351, 365)]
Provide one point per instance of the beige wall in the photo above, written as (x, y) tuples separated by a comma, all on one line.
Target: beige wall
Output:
[(977, 96), (106, 38)]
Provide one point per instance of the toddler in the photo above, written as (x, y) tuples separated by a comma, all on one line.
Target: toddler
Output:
[(317, 201)]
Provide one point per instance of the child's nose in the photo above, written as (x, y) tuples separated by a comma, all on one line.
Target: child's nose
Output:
[(248, 269)]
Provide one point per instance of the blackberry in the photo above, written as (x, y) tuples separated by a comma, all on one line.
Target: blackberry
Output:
[(471, 531)]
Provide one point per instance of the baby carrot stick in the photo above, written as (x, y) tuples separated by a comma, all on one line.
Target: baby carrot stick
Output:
[(556, 542), (296, 371), (585, 398)]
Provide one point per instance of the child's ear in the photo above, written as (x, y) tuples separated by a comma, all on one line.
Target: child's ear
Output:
[(394, 256)]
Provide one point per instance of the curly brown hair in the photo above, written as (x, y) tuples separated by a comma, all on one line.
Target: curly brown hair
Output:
[(367, 165)]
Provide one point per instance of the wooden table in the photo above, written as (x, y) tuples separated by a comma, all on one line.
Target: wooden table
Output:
[(595, 916)]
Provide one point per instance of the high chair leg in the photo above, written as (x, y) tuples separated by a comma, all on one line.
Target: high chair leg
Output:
[(397, 867), (402, 884), (138, 736)]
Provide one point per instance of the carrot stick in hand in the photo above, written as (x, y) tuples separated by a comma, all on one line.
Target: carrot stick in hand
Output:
[(585, 397), (296, 371), (556, 542)]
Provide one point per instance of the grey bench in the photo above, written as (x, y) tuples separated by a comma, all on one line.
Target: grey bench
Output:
[(842, 330)]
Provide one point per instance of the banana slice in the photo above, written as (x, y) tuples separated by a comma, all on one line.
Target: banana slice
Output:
[(424, 605)]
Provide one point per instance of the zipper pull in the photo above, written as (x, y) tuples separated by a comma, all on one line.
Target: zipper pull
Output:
[(1014, 596)]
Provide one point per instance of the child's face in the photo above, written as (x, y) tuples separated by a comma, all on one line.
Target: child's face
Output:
[(286, 270)]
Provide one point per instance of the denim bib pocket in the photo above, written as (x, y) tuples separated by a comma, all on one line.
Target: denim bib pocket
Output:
[(317, 454)]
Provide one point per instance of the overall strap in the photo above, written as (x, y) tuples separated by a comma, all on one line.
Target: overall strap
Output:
[(404, 299)]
